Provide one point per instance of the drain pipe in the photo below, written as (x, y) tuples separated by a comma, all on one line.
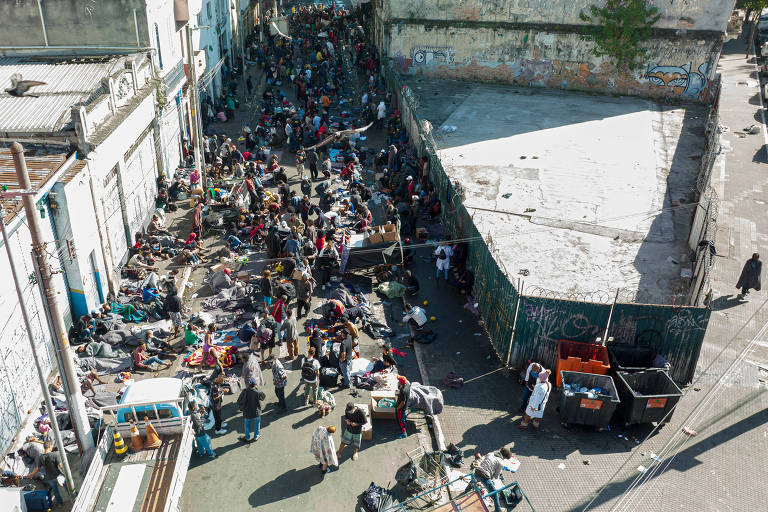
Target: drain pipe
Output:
[(136, 26), (42, 21)]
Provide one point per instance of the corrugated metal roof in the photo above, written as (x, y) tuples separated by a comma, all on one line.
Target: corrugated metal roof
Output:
[(68, 83), (41, 167)]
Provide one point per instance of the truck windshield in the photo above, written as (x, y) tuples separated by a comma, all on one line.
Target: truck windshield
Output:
[(150, 414)]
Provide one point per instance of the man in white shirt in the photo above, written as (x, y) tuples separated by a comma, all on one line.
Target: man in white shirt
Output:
[(416, 318)]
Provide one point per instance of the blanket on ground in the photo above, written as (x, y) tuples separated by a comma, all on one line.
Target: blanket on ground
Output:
[(227, 357), (128, 312)]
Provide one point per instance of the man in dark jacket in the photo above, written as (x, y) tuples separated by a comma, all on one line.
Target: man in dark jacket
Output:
[(249, 403), (173, 306), (304, 289), (312, 161), (750, 275)]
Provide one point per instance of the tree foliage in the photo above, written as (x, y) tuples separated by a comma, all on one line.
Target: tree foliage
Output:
[(618, 28)]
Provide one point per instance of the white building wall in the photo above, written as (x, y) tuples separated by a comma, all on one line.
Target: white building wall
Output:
[(19, 384), (125, 164)]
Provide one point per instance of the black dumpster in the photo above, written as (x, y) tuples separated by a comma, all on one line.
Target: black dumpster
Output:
[(646, 396), (579, 404), (628, 358)]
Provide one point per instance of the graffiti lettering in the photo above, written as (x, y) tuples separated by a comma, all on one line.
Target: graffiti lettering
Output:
[(679, 80), (538, 313), (426, 55), (683, 323)]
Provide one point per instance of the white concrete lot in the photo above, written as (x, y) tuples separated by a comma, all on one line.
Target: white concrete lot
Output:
[(587, 193)]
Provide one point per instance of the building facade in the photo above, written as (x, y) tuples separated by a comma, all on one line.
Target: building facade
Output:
[(540, 43)]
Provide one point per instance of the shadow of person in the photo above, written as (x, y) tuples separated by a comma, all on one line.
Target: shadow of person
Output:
[(289, 484), (726, 302)]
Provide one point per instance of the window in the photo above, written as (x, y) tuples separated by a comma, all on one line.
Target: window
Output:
[(159, 51)]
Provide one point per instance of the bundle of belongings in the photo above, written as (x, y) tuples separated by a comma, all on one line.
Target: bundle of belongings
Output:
[(427, 398)]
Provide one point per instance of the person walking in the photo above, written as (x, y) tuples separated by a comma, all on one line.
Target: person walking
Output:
[(51, 464), (217, 399), (354, 419), (750, 275), (443, 262), (279, 379), (488, 469), (202, 439), (310, 376), (401, 405), (538, 401), (312, 161), (249, 403), (322, 447), (290, 334)]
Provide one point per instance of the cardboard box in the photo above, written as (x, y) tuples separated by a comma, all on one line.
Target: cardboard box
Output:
[(296, 274), (382, 413), (389, 236), (422, 233), (218, 266), (388, 228), (243, 275), (373, 239)]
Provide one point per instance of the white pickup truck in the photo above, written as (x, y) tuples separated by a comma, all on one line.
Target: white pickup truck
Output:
[(147, 480)]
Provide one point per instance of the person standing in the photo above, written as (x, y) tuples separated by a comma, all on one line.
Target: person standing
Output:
[(354, 419), (265, 283), (322, 447), (347, 353), (538, 401), (202, 439), (51, 464), (312, 161), (750, 275), (217, 399), (401, 405), (443, 262), (301, 157), (304, 289), (290, 334), (531, 378), (310, 376), (489, 469), (416, 318), (173, 305), (249, 403), (278, 313), (279, 379)]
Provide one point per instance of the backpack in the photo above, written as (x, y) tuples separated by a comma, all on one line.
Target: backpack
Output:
[(441, 256), (371, 498), (308, 371)]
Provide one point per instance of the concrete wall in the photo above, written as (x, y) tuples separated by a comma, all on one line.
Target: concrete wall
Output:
[(75, 23), (539, 43), (698, 14), (677, 68)]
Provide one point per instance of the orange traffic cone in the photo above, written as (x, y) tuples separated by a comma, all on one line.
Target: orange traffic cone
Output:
[(120, 447), (137, 443), (153, 440)]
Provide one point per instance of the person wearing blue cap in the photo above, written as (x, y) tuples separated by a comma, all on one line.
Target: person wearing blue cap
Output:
[(249, 403)]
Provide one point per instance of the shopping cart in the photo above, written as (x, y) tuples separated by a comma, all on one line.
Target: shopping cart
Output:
[(426, 472)]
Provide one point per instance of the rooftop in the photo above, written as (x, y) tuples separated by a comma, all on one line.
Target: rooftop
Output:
[(69, 82), (164, 388), (581, 194), (42, 164)]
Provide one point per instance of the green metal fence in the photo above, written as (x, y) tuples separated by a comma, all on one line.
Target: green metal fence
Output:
[(523, 327)]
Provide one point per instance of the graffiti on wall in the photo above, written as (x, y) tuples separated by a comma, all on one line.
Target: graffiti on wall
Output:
[(426, 55), (531, 71), (679, 80)]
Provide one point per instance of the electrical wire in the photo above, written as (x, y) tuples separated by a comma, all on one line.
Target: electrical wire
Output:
[(700, 408), (668, 415)]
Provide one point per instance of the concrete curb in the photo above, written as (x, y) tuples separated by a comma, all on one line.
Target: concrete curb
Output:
[(436, 428)]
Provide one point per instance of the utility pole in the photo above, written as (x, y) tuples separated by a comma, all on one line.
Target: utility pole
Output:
[(242, 44), (43, 384), (194, 108), (75, 402), (261, 21)]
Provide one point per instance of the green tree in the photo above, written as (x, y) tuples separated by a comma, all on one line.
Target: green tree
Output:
[(618, 28), (753, 8)]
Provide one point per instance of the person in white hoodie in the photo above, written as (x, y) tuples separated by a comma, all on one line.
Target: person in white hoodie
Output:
[(538, 401), (381, 113)]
